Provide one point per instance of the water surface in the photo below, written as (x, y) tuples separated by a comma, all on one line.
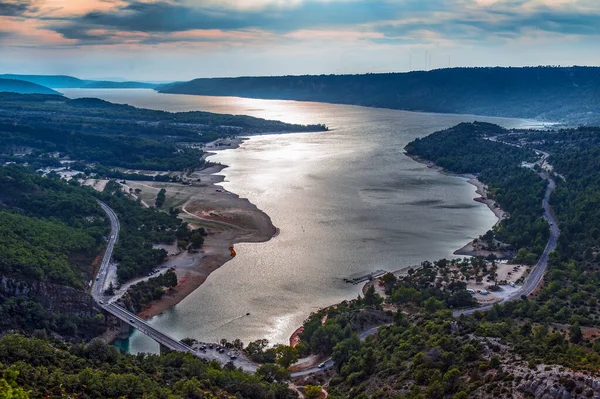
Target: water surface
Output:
[(347, 202)]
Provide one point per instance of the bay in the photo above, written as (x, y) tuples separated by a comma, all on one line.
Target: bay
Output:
[(347, 202)]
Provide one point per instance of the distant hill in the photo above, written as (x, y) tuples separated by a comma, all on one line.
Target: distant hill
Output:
[(70, 82), (55, 81), (22, 87), (547, 93)]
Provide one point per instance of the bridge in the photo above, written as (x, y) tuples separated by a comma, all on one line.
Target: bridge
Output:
[(107, 303), (128, 319)]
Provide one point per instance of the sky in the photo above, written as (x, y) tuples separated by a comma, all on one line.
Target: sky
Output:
[(166, 40)]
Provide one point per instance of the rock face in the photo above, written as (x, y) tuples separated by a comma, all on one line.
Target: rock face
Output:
[(560, 385), (55, 298)]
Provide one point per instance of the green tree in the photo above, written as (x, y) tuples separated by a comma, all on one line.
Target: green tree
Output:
[(161, 198), (433, 305), (312, 391), (271, 372), (451, 379), (197, 239), (286, 355), (435, 390), (372, 298), (575, 334), (8, 386)]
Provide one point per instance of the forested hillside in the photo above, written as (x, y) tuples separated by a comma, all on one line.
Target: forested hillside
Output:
[(466, 148), (546, 93), (50, 233), (43, 130), (24, 87), (39, 369), (544, 345)]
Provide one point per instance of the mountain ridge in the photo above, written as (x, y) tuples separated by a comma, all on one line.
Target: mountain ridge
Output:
[(71, 82), (558, 94)]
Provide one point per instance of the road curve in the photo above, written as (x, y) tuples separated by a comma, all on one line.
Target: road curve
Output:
[(540, 268)]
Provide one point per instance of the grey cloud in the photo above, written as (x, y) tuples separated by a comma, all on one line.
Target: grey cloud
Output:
[(453, 19), (500, 23), (168, 17), (14, 8)]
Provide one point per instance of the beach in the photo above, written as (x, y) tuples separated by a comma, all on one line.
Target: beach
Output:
[(226, 218)]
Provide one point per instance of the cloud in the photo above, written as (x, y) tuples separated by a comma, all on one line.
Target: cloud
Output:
[(505, 20), (14, 8), (151, 22), (169, 17)]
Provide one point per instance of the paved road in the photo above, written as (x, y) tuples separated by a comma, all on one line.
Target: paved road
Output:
[(100, 283), (107, 303), (540, 268), (141, 325), (104, 301), (329, 363)]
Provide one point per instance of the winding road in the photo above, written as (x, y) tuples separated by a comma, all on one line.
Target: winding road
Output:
[(536, 275), (531, 283), (166, 340)]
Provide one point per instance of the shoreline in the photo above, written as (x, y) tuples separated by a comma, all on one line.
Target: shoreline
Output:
[(470, 249), (467, 250), (228, 220)]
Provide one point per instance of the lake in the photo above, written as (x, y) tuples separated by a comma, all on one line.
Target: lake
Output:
[(347, 202)]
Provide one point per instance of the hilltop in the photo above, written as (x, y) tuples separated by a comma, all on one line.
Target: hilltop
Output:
[(70, 82), (23, 87), (546, 93)]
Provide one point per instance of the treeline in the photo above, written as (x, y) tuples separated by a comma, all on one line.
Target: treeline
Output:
[(549, 93), (95, 116), (140, 295), (426, 353), (120, 150), (104, 134), (468, 148), (97, 370)]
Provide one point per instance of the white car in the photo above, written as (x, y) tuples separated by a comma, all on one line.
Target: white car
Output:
[(321, 365)]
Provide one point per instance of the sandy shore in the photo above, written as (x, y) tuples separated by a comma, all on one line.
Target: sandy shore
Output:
[(473, 248), (227, 219)]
